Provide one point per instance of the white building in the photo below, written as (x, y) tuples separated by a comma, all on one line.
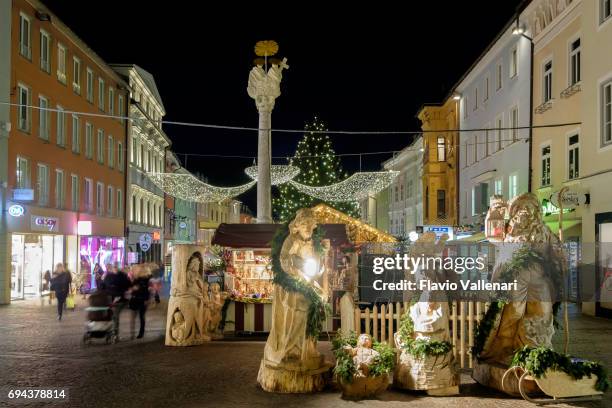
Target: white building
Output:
[(495, 94), (146, 151), (405, 193)]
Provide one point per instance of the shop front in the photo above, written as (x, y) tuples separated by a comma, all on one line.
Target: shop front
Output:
[(98, 254), (40, 238)]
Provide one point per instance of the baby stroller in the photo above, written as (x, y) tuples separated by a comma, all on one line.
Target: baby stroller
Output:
[(99, 318)]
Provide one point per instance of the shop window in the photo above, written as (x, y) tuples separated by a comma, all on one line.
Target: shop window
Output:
[(573, 157), (545, 180), (574, 63), (441, 204)]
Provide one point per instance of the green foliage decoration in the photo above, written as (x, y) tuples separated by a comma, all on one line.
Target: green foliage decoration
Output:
[(345, 368)]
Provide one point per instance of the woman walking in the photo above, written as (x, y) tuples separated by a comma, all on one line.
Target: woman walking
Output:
[(140, 296), (60, 284)]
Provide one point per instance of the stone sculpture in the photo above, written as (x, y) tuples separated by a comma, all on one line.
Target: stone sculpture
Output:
[(363, 384), (291, 362), (186, 307), (214, 311), (527, 318), (436, 374)]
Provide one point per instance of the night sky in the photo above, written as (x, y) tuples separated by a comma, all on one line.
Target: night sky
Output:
[(357, 67)]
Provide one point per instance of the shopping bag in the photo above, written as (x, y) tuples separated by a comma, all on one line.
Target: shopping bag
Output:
[(70, 302)]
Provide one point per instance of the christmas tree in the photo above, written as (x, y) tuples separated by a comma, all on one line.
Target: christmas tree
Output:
[(319, 166)]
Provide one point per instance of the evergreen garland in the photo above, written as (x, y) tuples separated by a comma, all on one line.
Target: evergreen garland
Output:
[(537, 360), (319, 166), (317, 309), (484, 327), (420, 348), (345, 368)]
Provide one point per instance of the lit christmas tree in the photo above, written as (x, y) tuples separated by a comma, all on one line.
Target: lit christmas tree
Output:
[(319, 166)]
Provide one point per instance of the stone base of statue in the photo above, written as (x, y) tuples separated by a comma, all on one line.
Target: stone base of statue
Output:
[(292, 380), (491, 374), (364, 387), (436, 375)]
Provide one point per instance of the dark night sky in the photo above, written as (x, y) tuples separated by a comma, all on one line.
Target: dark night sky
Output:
[(357, 67)]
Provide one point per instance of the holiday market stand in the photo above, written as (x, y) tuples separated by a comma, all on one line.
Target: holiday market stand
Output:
[(248, 275)]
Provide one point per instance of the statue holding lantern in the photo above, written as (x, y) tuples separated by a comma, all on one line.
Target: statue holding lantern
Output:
[(291, 362)]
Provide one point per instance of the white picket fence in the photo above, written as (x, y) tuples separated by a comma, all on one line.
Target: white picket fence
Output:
[(382, 321)]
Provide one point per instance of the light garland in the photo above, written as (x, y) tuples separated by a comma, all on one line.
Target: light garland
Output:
[(189, 188), (280, 174), (355, 188)]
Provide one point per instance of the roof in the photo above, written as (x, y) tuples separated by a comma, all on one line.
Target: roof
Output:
[(260, 235), (358, 231), (146, 76)]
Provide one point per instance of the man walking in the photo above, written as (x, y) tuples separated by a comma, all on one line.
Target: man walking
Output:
[(116, 283)]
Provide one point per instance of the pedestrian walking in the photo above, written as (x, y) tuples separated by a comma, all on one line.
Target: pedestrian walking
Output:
[(60, 284), (98, 273), (116, 283), (140, 297)]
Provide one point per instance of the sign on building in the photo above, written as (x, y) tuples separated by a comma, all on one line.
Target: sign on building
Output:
[(46, 224)]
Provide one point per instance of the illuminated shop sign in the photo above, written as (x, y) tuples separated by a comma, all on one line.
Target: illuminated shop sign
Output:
[(439, 230), (23, 194), (16, 210), (84, 227), (40, 223)]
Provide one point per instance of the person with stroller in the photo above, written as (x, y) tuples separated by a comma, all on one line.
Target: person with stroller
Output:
[(116, 283), (60, 284), (140, 296)]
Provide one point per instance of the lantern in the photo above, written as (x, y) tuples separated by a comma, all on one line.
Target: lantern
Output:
[(495, 222)]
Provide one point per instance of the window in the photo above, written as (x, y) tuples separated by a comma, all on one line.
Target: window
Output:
[(44, 117), (120, 156), (59, 188), (109, 201), (545, 179), (90, 85), (606, 113), (465, 107), (396, 189), (441, 149), (401, 192), (133, 212), (25, 44), (76, 75), (441, 204), (574, 64), (120, 111), (43, 184), (100, 146), (111, 151), (111, 101), (25, 111), (76, 136), (514, 123), (101, 93), (22, 173), (88, 194), (74, 192), (61, 63), (499, 133), (513, 62), (88, 140), (498, 76), (134, 151), (141, 155), (499, 187), (485, 96), (100, 198), (573, 157), (480, 198), (512, 186), (61, 126), (119, 203), (475, 98), (547, 82), (45, 57), (604, 10)]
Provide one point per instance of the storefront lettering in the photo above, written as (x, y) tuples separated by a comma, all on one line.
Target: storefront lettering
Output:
[(39, 223)]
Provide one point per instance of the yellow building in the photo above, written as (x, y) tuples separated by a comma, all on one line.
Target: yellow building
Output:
[(440, 176)]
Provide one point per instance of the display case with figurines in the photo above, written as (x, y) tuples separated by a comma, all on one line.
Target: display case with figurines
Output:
[(251, 275)]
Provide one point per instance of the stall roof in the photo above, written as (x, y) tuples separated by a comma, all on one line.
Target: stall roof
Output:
[(260, 235)]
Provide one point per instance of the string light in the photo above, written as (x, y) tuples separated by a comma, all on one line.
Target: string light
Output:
[(355, 188), (279, 174), (189, 188)]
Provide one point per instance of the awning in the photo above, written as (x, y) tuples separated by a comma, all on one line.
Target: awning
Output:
[(260, 235)]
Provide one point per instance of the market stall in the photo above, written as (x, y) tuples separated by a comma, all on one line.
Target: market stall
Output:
[(247, 275)]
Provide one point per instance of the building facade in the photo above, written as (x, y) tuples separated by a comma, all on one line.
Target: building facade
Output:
[(146, 153), (495, 96), (180, 224), (440, 162), (65, 168), (210, 215), (405, 193), (374, 210)]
